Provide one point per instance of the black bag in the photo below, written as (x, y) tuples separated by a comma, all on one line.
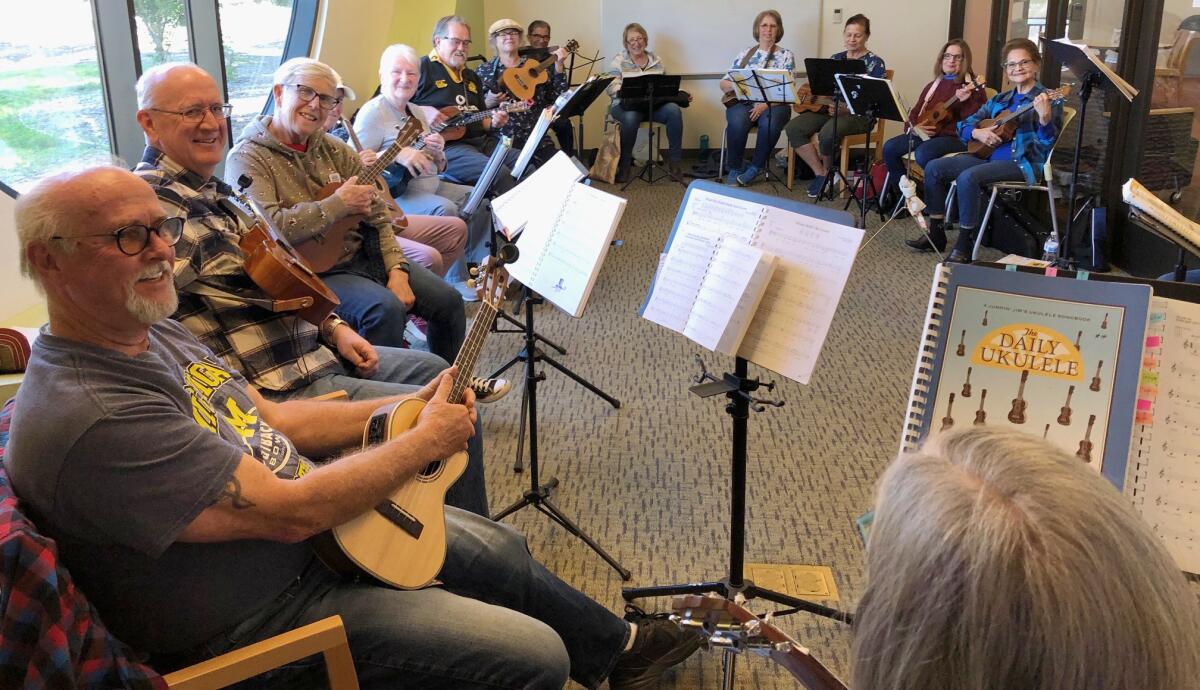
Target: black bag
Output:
[(1013, 230)]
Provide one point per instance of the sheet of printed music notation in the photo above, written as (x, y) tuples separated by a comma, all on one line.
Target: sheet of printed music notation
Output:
[(1165, 467), (814, 261)]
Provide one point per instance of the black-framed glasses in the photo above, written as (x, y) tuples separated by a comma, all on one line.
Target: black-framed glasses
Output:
[(956, 57), (134, 238), (219, 111), (457, 42), (307, 93), (1017, 64)]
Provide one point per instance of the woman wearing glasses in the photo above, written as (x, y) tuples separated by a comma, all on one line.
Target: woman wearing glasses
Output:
[(1018, 160), (290, 158), (952, 76), (742, 115)]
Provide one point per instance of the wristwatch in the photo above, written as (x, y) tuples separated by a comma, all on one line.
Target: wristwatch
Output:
[(328, 326)]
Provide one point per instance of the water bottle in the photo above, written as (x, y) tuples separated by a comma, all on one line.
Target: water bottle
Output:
[(703, 146), (1050, 249)]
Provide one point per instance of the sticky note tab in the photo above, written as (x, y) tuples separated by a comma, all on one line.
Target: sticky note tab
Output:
[(1052, 271), (1145, 405), (1154, 341)]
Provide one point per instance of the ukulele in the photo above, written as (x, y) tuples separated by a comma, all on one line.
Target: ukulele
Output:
[(1078, 339), (728, 626), (985, 312), (966, 391), (1085, 446), (1095, 386), (980, 414), (1104, 323), (948, 420), (380, 183), (275, 268), (522, 80), (962, 348), (1006, 124), (1017, 414), (323, 250), (402, 540), (939, 115), (454, 127), (1064, 413), (806, 102)]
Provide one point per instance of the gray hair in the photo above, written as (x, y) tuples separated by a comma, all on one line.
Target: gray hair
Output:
[(442, 28), (305, 68), (151, 78), (998, 561), (394, 51)]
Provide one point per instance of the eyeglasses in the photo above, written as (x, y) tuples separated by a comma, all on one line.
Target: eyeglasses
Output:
[(955, 57), (1017, 65), (220, 111), (133, 239), (457, 42), (507, 32), (307, 93)]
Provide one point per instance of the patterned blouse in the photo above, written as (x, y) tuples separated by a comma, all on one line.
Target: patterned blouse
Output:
[(875, 66), (782, 59), (520, 125)]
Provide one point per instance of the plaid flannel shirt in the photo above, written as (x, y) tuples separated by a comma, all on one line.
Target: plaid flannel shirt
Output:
[(1033, 141), (274, 351), (50, 635)]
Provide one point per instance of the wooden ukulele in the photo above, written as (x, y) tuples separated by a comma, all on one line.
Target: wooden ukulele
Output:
[(454, 127), (323, 250), (1006, 124), (276, 269), (948, 420), (522, 80), (980, 414), (1095, 386), (940, 115), (962, 348), (380, 182), (728, 626), (1064, 413), (402, 541), (966, 391), (1017, 414), (806, 102), (1085, 446)]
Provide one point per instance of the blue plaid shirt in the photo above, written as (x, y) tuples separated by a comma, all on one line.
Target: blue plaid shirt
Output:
[(1033, 141)]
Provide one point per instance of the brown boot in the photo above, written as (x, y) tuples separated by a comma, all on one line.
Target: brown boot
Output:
[(675, 171)]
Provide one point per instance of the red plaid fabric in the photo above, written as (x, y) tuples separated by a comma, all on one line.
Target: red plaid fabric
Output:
[(50, 636)]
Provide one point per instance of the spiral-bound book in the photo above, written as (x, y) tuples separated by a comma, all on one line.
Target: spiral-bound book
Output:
[(1109, 370)]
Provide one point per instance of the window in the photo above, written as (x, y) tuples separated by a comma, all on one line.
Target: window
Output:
[(254, 33), (161, 31), (52, 111)]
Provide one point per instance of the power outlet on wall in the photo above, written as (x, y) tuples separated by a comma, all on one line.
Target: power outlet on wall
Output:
[(837, 16)]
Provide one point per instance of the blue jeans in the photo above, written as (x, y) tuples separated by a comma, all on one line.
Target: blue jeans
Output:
[(973, 176), (737, 131), (401, 372), (668, 114), (896, 148), (379, 316), (500, 620)]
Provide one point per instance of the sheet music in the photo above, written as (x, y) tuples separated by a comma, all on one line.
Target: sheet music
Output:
[(675, 285), (553, 180), (1170, 486), (814, 262), (777, 85), (531, 144)]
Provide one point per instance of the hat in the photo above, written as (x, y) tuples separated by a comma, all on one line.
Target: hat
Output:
[(347, 92), (502, 24)]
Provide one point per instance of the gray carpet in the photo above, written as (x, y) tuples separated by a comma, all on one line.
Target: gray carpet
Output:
[(650, 481)]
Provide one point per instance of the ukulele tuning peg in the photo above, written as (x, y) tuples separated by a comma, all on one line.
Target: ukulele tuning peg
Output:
[(474, 271), (471, 283)]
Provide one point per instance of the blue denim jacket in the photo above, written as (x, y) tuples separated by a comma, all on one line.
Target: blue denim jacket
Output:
[(1033, 141)]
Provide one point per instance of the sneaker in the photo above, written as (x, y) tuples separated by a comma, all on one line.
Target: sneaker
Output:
[(659, 645), (814, 187), (781, 159), (489, 390), (414, 330), (749, 176), (731, 177)]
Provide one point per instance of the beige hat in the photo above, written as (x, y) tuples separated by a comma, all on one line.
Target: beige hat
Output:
[(347, 92), (502, 24)]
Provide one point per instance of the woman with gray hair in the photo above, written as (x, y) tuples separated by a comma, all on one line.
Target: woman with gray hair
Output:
[(997, 561)]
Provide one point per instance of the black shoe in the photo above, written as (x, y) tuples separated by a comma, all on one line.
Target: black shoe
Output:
[(659, 645), (957, 257), (922, 244), (675, 171), (622, 173)]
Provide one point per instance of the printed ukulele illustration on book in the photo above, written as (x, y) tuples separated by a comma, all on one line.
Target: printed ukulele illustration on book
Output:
[(980, 414)]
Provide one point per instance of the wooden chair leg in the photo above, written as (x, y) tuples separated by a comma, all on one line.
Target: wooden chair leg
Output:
[(791, 168)]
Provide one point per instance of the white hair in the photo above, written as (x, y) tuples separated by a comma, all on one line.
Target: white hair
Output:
[(305, 68), (151, 78), (394, 51), (998, 561)]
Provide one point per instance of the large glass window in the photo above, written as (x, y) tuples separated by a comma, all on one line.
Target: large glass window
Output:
[(51, 106), (161, 31), (254, 32)]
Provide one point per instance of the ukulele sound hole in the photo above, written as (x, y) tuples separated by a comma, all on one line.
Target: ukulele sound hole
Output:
[(432, 470)]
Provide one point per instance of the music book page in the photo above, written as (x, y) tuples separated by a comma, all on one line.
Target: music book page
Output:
[(564, 244), (715, 310), (531, 144), (552, 180), (814, 258)]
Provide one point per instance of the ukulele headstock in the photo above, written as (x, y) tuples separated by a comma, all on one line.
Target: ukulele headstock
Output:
[(571, 46), (408, 131), (490, 282)]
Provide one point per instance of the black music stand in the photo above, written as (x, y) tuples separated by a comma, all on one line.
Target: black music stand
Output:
[(821, 82), (647, 87), (874, 99), (770, 89), (581, 98)]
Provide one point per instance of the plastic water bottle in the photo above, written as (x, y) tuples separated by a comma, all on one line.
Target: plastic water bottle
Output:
[(703, 146), (1050, 249)]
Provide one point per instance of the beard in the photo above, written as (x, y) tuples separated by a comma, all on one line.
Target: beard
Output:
[(146, 310)]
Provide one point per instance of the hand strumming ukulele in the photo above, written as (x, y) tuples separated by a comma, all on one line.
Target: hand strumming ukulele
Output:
[(522, 80), (1064, 413), (1017, 414), (939, 115), (402, 541), (454, 127), (1006, 124), (806, 102)]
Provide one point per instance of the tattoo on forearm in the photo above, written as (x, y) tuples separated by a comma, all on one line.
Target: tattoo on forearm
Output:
[(233, 491)]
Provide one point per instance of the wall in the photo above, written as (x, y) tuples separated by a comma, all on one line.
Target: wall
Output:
[(976, 29), (19, 294), (351, 45)]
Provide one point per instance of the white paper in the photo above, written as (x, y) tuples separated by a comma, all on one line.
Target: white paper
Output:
[(551, 181), (531, 144)]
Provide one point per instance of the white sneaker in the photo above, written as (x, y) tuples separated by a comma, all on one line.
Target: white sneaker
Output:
[(489, 390)]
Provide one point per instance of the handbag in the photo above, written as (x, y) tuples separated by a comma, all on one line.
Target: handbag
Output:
[(607, 157)]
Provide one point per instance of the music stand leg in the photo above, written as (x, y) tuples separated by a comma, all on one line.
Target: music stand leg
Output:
[(1064, 242), (521, 329), (579, 379), (728, 669), (864, 183)]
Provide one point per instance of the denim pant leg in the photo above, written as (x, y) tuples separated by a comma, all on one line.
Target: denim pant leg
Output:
[(939, 174), (972, 186), (490, 561), (936, 148), (672, 116), (464, 163), (737, 131), (894, 151), (630, 120), (370, 308), (564, 131), (442, 308), (770, 128)]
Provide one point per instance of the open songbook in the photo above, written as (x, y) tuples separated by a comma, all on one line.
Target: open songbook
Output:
[(714, 310), (1164, 221)]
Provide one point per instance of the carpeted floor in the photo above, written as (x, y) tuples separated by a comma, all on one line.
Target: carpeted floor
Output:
[(650, 481)]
